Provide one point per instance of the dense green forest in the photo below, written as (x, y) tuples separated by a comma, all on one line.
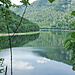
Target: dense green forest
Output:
[(56, 15), (26, 25)]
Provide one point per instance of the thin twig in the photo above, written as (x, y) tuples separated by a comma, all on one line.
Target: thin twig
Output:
[(20, 22), (9, 39), (6, 71)]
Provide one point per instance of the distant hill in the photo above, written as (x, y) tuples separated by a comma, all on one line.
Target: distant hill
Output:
[(47, 15), (26, 25)]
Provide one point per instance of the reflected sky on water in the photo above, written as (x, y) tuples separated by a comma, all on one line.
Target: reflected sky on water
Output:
[(26, 62)]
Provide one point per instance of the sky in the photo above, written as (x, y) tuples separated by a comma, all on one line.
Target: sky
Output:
[(17, 2)]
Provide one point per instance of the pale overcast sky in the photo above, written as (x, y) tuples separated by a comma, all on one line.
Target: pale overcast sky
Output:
[(18, 1)]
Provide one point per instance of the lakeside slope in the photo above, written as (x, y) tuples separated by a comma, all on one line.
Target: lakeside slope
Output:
[(27, 33)]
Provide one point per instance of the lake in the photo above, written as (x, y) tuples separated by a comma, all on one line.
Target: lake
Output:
[(38, 54)]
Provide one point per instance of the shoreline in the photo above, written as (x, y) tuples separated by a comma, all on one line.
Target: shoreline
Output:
[(36, 32), (27, 33), (56, 30)]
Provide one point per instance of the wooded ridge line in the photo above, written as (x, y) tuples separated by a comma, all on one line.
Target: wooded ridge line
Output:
[(56, 15)]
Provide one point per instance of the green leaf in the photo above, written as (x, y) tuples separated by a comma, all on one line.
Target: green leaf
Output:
[(10, 5), (73, 35), (1, 72), (1, 59), (73, 24), (17, 6), (73, 13), (28, 3), (7, 6), (0, 4), (1, 41), (67, 35), (51, 1), (25, 2), (73, 68)]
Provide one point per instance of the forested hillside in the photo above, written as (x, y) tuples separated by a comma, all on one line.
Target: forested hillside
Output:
[(26, 25), (47, 15)]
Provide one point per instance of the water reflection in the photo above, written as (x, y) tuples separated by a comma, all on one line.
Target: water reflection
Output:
[(55, 53), (49, 39), (26, 62), (18, 40), (53, 43), (41, 56)]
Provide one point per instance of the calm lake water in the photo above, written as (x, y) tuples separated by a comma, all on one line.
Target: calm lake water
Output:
[(39, 54)]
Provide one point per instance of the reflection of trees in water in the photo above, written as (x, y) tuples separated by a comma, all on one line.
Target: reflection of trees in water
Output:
[(58, 54), (55, 53), (49, 39), (18, 40), (54, 39)]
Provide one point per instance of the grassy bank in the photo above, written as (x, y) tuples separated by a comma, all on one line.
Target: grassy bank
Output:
[(27, 33)]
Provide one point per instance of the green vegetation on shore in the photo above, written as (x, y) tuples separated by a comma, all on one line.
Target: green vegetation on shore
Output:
[(26, 25), (27, 33)]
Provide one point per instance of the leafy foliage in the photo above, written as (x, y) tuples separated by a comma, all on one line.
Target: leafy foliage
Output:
[(73, 68), (25, 2), (73, 13), (69, 43), (51, 1), (1, 65)]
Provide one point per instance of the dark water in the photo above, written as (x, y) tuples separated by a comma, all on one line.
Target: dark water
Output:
[(39, 54)]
